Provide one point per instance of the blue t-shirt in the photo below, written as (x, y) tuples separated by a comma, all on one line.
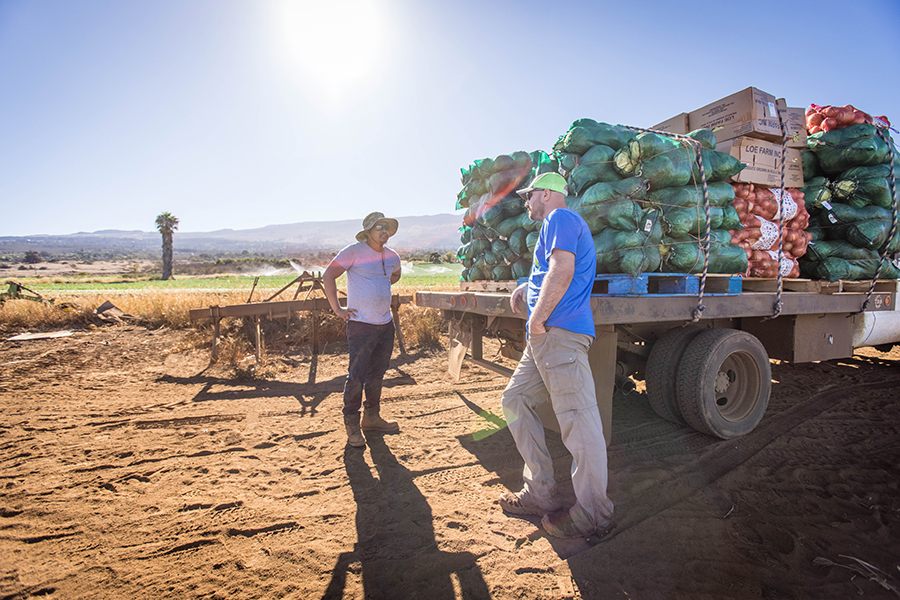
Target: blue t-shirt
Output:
[(566, 230)]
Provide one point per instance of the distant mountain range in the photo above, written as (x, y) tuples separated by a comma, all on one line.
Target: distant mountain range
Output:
[(434, 232)]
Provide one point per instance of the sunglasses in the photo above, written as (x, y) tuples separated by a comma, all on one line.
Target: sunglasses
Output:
[(380, 227)]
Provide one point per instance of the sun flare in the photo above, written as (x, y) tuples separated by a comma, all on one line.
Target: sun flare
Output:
[(337, 47)]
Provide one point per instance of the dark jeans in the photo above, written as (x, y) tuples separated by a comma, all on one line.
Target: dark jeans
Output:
[(370, 356)]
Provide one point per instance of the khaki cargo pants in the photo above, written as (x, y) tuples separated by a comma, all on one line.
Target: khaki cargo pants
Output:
[(555, 367)]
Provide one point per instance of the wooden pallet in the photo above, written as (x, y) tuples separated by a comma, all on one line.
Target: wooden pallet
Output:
[(770, 285), (669, 284), (882, 285)]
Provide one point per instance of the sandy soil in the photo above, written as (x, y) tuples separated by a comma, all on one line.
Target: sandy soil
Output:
[(129, 469)]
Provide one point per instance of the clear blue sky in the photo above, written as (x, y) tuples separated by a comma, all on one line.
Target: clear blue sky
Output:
[(241, 114)]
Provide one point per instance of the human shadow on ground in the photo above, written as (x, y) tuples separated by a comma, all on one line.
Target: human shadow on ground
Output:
[(217, 388), (493, 446), (495, 449), (309, 395), (396, 551)]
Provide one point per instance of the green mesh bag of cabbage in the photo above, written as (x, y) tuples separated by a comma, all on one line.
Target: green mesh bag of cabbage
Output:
[(679, 222), (635, 251), (595, 166), (863, 186), (667, 162), (495, 176), (822, 249), (837, 269), (865, 227), (817, 191), (584, 134), (682, 256), (855, 146)]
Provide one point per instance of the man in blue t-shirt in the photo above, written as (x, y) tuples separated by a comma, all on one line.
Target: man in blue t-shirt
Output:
[(555, 367)]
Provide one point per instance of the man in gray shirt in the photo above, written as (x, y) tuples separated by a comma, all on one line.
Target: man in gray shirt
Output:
[(371, 269)]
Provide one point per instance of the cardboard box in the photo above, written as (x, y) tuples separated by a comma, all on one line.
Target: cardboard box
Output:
[(677, 124), (763, 160), (750, 112), (794, 120)]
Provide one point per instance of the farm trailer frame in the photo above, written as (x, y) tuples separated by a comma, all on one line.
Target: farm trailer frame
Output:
[(712, 372)]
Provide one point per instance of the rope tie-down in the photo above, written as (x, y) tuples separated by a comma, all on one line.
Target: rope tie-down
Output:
[(704, 240)]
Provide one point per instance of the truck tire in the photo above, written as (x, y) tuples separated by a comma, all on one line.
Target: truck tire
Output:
[(662, 368), (723, 383)]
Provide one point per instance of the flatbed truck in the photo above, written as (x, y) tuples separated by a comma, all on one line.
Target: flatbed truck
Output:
[(702, 346)]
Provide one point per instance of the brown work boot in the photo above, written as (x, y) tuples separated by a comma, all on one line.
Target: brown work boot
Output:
[(561, 525), (523, 503), (354, 435), (372, 421)]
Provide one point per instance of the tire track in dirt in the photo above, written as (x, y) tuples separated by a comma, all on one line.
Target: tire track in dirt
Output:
[(74, 475), (216, 417), (201, 454), (187, 421), (231, 532), (31, 592), (720, 458), (35, 539), (670, 443), (444, 391)]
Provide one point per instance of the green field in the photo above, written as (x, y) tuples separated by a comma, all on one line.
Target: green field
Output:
[(422, 275)]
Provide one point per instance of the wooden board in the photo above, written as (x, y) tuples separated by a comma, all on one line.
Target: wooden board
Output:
[(758, 284), (881, 285), (488, 286)]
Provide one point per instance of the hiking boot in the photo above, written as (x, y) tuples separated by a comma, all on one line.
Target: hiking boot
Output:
[(523, 503), (354, 435), (561, 525), (372, 421)]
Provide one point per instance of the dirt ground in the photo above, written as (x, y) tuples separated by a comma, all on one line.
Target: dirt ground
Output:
[(129, 468)]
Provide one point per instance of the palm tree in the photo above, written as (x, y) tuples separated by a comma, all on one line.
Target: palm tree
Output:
[(166, 223)]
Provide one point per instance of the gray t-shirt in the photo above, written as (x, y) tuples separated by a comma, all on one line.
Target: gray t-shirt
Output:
[(369, 281)]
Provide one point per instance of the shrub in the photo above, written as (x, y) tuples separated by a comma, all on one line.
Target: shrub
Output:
[(421, 327)]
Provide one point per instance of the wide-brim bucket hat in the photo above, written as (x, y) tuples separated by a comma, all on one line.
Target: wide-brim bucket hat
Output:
[(373, 219), (546, 181)]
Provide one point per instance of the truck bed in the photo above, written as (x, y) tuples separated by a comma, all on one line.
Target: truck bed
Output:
[(799, 297)]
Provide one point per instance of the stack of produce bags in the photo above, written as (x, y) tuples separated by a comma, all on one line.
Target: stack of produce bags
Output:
[(625, 235), (848, 195), (640, 193), (760, 211), (497, 236), (641, 196)]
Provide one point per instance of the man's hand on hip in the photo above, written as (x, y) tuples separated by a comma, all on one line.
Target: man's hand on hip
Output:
[(535, 328), (345, 313)]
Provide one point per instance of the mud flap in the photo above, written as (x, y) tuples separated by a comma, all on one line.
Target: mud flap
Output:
[(460, 343)]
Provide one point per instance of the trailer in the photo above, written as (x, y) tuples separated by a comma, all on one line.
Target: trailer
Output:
[(702, 344)]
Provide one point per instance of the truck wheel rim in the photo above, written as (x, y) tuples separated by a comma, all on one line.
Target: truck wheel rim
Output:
[(736, 387)]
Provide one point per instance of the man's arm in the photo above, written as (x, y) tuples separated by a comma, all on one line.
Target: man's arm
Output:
[(518, 296), (329, 277), (556, 282), (395, 275)]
